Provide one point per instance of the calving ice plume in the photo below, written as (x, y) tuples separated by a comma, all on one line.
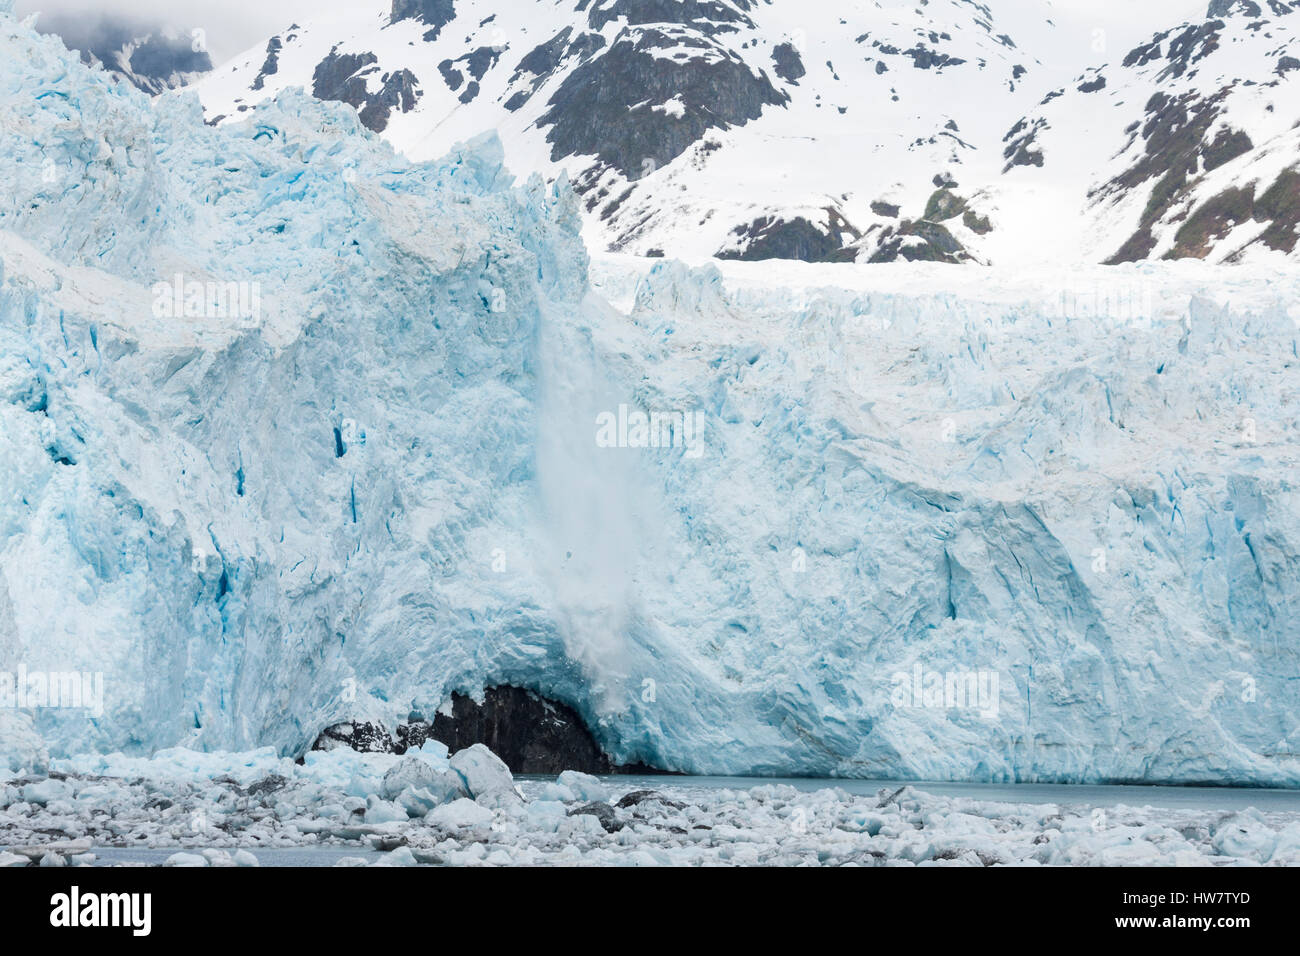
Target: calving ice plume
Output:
[(634, 428)]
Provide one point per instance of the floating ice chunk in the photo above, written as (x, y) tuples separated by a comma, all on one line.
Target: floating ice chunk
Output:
[(444, 788), (407, 772), (402, 856), (433, 752), (21, 747), (383, 811), (1245, 834), (186, 860), (44, 792), (1287, 850), (553, 791), (584, 786), (483, 772), (460, 814), (583, 824), (545, 815)]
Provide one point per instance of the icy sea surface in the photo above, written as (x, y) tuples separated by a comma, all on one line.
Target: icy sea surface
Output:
[(1215, 802), (341, 808)]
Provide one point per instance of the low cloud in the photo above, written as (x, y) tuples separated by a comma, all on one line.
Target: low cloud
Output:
[(231, 26)]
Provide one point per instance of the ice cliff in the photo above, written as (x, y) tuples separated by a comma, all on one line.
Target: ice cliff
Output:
[(293, 431)]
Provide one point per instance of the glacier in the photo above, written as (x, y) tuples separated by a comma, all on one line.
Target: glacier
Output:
[(378, 480)]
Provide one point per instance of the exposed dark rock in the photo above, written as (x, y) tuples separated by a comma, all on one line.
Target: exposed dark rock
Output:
[(943, 205), (363, 737), (924, 58), (1146, 53), (886, 209), (1225, 8), (1194, 44), (1093, 85), (545, 58), (1211, 221), (435, 13), (411, 736), (451, 76), (271, 65), (919, 241), (1280, 205), (1174, 132), (602, 812), (542, 59), (1227, 146), (342, 77), (771, 238), (1022, 144), (530, 733), (707, 16), (477, 62), (638, 797), (335, 77), (977, 224), (400, 91), (592, 111), (268, 784), (786, 62)]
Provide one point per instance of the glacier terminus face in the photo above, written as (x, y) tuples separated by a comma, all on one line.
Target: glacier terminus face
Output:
[(296, 432)]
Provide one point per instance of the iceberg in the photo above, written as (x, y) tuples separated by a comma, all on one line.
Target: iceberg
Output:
[(295, 432)]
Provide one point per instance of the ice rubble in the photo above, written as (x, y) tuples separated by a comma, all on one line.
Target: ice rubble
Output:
[(384, 486), (192, 809)]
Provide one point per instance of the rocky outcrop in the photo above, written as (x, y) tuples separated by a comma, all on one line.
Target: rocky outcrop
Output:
[(530, 733), (435, 13), (771, 238), (344, 77), (363, 737)]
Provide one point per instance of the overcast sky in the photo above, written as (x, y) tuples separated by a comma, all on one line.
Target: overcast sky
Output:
[(235, 25), (232, 26)]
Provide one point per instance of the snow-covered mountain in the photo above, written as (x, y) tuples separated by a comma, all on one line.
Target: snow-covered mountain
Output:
[(953, 130), (1188, 145), (151, 57), (295, 431)]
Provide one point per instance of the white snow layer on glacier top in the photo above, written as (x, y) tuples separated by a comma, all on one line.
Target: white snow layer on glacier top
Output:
[(387, 483)]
